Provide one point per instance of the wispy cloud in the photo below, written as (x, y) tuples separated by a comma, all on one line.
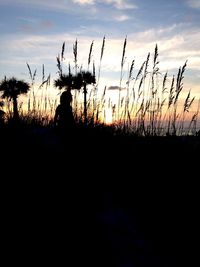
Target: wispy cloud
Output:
[(173, 49), (51, 5), (121, 4), (96, 10), (34, 25), (113, 87), (122, 18), (84, 2), (66, 5), (89, 20), (194, 3), (118, 4)]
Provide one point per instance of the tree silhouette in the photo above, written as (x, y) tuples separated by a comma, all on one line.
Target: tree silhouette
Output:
[(85, 78), (64, 82), (11, 89)]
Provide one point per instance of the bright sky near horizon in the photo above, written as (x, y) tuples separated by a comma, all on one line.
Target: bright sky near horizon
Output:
[(33, 31)]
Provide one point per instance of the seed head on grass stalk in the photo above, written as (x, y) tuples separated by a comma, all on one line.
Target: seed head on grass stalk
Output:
[(63, 51), (186, 106), (100, 61), (32, 76), (136, 79), (171, 93), (188, 102), (121, 74), (90, 54), (59, 65), (194, 121), (130, 77), (43, 74), (75, 52), (178, 89), (179, 82)]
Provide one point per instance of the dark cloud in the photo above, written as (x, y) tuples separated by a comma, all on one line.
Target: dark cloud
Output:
[(113, 87)]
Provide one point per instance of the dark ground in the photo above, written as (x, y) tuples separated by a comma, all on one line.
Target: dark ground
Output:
[(94, 199)]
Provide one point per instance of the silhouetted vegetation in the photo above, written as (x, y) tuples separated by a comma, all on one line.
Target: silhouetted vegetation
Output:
[(11, 89), (150, 105), (114, 191)]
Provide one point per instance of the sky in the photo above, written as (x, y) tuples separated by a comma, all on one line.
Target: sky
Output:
[(33, 31)]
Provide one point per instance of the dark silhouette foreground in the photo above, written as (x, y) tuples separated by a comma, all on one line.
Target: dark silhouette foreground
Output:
[(93, 203)]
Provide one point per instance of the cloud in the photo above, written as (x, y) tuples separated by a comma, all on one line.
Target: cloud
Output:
[(174, 47), (121, 4), (59, 5), (118, 4), (69, 5), (113, 87), (85, 9), (194, 3), (122, 18), (84, 2)]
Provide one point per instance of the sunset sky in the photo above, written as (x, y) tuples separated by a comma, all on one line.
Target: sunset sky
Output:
[(33, 31)]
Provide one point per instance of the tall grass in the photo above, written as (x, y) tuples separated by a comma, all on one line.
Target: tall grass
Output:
[(155, 106), (152, 104)]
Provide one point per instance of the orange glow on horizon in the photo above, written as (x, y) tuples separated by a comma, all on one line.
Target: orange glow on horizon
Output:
[(108, 116)]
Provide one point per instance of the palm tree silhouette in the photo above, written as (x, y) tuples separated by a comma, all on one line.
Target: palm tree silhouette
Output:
[(11, 89), (85, 78), (65, 81)]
